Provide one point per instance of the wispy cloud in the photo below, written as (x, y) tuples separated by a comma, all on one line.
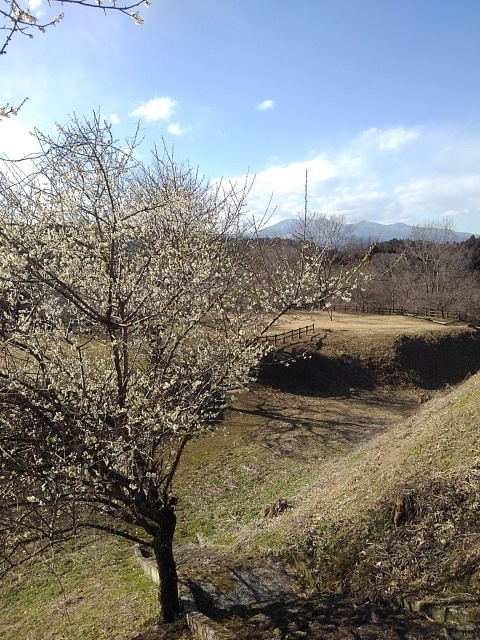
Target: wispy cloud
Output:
[(455, 195), (115, 118), (175, 129), (266, 105), (389, 139), (155, 109), (383, 175)]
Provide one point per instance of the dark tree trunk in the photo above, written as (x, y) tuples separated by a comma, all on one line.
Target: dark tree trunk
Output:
[(167, 570)]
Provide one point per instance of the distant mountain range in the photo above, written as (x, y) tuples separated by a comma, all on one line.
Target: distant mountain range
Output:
[(364, 230)]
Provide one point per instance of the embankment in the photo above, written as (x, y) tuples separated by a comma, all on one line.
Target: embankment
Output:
[(327, 365)]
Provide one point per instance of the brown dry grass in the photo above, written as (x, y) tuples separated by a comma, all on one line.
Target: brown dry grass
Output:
[(358, 323)]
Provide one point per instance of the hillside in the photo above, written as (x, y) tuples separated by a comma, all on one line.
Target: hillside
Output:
[(369, 490), (399, 513)]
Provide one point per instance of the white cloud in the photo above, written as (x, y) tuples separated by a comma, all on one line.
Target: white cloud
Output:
[(16, 140), (115, 118), (382, 175), (176, 130), (442, 193), (290, 179), (35, 4), (266, 105), (161, 109), (389, 139), (287, 184), (155, 109)]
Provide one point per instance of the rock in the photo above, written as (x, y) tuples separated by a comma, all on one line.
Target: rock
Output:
[(260, 620), (276, 508)]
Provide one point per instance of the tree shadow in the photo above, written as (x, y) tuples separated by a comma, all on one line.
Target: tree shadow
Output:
[(331, 423), (315, 374), (318, 616)]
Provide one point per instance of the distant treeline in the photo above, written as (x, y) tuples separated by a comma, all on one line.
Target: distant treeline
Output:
[(470, 247), (419, 273)]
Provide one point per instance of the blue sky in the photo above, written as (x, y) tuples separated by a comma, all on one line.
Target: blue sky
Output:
[(378, 99)]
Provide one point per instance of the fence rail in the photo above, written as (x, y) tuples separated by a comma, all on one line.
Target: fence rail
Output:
[(423, 312), (293, 334)]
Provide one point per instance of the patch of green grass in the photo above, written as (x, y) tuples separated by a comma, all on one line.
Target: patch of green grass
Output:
[(232, 495), (92, 591), (466, 399), (446, 458)]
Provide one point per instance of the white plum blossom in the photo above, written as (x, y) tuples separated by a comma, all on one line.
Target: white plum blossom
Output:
[(132, 303)]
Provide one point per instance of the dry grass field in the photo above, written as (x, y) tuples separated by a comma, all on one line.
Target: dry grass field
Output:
[(358, 323)]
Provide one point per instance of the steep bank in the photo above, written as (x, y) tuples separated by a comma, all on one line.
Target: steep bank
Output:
[(334, 363), (399, 514)]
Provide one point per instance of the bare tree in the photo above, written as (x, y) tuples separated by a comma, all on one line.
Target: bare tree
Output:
[(308, 266), (390, 282), (326, 240), (430, 271), (440, 267)]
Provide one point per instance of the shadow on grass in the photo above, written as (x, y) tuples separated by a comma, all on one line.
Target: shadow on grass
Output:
[(316, 375), (330, 421)]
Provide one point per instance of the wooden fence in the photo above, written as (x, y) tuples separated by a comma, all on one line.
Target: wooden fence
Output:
[(293, 334), (296, 334), (424, 312)]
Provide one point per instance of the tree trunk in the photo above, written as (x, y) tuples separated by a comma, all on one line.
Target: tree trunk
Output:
[(167, 570)]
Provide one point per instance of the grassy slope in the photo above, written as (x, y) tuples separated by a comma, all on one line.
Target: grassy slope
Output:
[(94, 591), (269, 448), (398, 513)]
